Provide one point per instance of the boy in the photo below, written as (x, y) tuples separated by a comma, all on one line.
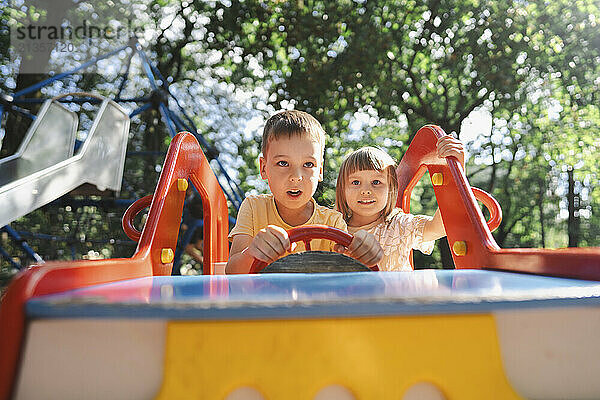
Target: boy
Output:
[(293, 144)]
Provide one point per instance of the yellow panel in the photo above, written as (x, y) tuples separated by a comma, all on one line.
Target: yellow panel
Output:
[(376, 358)]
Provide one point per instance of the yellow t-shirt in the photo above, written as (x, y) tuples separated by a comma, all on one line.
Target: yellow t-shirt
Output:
[(258, 211)]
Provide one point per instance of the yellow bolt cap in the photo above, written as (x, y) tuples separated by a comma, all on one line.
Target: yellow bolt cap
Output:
[(459, 248), (166, 256), (182, 185), (437, 179)]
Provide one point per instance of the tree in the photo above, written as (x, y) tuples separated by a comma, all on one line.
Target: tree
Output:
[(94, 231), (416, 63), (373, 72)]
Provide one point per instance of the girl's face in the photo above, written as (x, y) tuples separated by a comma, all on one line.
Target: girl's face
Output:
[(366, 194)]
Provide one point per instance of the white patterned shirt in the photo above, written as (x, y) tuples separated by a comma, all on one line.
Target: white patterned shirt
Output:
[(397, 235)]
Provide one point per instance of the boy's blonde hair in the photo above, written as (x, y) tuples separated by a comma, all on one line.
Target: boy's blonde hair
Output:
[(289, 124), (366, 158)]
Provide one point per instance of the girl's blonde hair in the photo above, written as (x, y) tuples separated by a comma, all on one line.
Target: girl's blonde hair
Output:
[(366, 158)]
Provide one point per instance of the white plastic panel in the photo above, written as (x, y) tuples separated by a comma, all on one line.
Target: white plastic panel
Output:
[(551, 353), (99, 162), (49, 140), (92, 359)]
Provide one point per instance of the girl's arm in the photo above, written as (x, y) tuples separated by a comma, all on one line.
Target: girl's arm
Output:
[(365, 248), (434, 228)]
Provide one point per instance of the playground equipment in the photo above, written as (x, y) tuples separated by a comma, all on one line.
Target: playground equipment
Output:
[(45, 166), (160, 97), (121, 328)]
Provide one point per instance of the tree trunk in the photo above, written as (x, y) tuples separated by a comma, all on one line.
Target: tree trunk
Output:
[(541, 211), (32, 70), (573, 207), (447, 261)]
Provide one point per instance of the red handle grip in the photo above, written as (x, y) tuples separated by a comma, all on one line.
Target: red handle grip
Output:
[(492, 205), (133, 210)]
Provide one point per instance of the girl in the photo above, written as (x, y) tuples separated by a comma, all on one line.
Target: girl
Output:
[(366, 195)]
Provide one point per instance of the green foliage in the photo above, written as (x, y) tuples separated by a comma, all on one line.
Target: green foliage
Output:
[(372, 72), (429, 62), (437, 61)]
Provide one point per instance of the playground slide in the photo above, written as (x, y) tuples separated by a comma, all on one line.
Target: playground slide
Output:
[(49, 140), (45, 168)]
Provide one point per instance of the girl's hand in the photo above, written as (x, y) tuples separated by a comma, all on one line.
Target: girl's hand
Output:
[(447, 146), (269, 244), (364, 247)]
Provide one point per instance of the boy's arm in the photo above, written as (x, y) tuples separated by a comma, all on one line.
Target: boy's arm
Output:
[(268, 245), (239, 262)]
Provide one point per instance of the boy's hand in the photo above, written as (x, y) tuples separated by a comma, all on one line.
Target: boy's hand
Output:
[(447, 146), (270, 244), (364, 247)]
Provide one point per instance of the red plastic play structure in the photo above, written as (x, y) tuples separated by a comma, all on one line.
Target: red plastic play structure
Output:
[(469, 236), (472, 243), (153, 256)]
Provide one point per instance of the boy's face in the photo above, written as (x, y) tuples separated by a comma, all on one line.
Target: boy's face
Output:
[(293, 168)]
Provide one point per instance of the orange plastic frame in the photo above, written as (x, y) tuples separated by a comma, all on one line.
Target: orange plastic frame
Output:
[(466, 227), (185, 160)]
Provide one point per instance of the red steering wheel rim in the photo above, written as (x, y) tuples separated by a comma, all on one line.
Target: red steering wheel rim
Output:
[(306, 234)]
